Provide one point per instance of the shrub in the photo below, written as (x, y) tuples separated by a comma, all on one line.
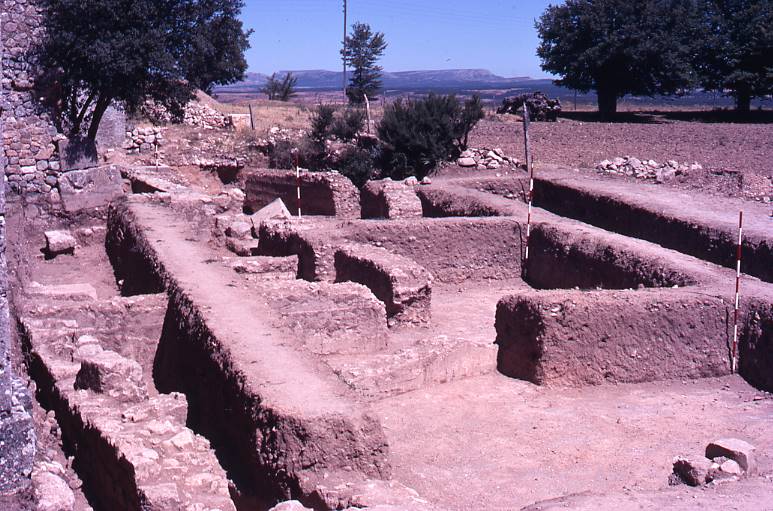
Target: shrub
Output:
[(356, 164), (416, 135), (310, 155), (347, 125), (322, 123)]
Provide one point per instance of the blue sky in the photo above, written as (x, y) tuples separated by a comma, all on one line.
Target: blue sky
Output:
[(422, 34)]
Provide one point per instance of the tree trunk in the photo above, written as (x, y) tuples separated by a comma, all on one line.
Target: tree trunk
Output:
[(607, 99), (99, 110), (743, 102)]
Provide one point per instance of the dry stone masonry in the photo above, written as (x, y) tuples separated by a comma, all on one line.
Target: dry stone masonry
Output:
[(28, 136)]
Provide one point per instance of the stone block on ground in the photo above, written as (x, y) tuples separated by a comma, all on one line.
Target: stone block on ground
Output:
[(107, 372), (91, 188), (59, 242), (276, 210), (290, 505), (389, 199), (403, 286), (322, 193), (738, 450)]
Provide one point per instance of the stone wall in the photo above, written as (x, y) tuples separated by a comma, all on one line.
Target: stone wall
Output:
[(28, 150)]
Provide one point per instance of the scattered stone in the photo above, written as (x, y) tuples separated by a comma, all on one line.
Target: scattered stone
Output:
[(693, 471), (411, 181), (485, 159), (646, 169), (59, 242), (426, 181), (734, 449), (731, 467)]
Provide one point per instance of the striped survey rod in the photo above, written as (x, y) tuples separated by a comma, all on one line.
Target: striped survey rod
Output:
[(737, 291), (298, 184)]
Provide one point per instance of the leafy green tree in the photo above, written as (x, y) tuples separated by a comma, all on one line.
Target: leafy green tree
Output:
[(281, 90), (217, 44), (619, 47), (361, 52), (130, 51), (735, 48)]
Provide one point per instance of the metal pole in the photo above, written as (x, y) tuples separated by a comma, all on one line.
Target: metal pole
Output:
[(737, 292), (344, 79)]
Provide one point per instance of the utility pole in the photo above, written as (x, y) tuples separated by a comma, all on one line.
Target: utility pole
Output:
[(343, 89)]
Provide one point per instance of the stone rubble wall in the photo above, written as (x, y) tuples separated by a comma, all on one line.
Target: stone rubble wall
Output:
[(28, 136), (17, 436)]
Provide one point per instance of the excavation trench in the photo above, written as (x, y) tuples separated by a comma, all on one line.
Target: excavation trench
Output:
[(276, 420)]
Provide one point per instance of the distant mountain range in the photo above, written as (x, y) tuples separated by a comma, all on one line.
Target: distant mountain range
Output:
[(401, 80)]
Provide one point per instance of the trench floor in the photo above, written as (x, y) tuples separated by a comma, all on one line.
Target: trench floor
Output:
[(496, 443)]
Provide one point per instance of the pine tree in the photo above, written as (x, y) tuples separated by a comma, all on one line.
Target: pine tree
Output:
[(361, 52)]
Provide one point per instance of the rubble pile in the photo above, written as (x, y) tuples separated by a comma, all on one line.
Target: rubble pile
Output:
[(143, 140), (483, 159), (541, 107), (647, 169), (195, 114), (727, 458)]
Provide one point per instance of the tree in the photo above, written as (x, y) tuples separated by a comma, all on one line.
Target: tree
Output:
[(217, 44), (618, 47), (281, 90), (362, 49), (735, 49), (130, 51)]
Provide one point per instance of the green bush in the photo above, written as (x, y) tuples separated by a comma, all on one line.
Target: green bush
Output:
[(356, 164), (417, 135), (347, 125), (310, 155)]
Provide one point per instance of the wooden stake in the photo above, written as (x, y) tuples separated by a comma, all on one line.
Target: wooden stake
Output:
[(252, 119)]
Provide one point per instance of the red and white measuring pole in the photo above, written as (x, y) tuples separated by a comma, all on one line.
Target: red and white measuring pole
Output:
[(530, 168), (737, 292), (298, 184)]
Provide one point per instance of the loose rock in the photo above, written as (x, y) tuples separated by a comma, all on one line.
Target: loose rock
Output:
[(59, 242)]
